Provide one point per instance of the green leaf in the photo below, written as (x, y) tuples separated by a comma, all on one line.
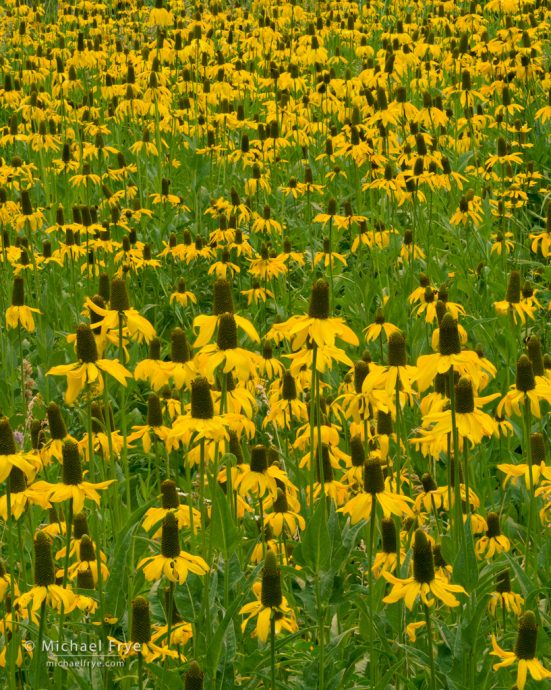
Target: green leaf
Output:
[(118, 570), (224, 533), (316, 544), (465, 567)]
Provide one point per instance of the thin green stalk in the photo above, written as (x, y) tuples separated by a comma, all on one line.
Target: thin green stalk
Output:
[(459, 531), (431, 651), (527, 419), (372, 516), (272, 649)]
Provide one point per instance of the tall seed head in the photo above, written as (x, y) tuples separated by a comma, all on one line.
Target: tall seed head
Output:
[(271, 582), (388, 532), (7, 439), (86, 347), (525, 647), (396, 350), (319, 300), (170, 539), (423, 560), (18, 292), (525, 380), (374, 481), (464, 396), (201, 399), (44, 569), (58, 430), (72, 467), (227, 332), (141, 621), (513, 288), (223, 300), (169, 495), (449, 343)]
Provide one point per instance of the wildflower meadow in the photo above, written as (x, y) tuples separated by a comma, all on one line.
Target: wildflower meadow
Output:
[(275, 308)]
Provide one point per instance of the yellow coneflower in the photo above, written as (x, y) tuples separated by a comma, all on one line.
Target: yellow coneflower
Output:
[(512, 303), (493, 542), (270, 604), (317, 325), (171, 504), (18, 313), (503, 597), (141, 638), (360, 507), (172, 562), (524, 654), (424, 584), (72, 485), (119, 308), (45, 589), (10, 457), (87, 370)]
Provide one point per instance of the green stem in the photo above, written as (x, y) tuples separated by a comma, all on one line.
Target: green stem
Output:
[(527, 418), (431, 651), (272, 649), (370, 588)]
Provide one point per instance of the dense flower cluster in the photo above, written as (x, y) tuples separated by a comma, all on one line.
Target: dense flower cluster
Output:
[(276, 301)]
